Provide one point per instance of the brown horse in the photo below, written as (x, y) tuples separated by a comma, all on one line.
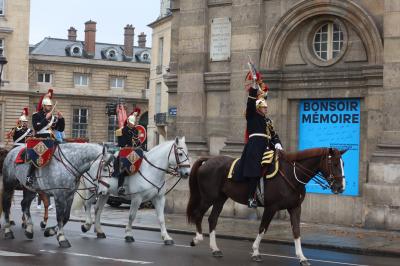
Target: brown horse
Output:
[(209, 186)]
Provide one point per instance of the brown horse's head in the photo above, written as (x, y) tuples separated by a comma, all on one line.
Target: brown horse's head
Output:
[(332, 168)]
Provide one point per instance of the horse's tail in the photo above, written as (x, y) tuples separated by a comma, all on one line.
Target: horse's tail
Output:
[(78, 202), (3, 154), (195, 196)]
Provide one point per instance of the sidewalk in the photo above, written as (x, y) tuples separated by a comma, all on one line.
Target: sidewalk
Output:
[(345, 239)]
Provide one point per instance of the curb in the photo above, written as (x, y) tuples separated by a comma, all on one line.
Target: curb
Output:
[(352, 250)]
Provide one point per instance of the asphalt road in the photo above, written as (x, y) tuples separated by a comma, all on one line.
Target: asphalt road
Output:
[(149, 249)]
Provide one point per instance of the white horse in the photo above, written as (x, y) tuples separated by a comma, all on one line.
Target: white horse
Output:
[(145, 185), (60, 177)]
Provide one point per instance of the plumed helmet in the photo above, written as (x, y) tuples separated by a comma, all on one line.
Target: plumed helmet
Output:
[(24, 114), (132, 118), (46, 101), (261, 103)]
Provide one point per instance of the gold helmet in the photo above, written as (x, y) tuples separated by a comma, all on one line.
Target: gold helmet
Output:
[(261, 103), (46, 101)]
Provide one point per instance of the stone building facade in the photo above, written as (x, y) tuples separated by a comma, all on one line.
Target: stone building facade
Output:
[(158, 91), (359, 59), (14, 45), (88, 76)]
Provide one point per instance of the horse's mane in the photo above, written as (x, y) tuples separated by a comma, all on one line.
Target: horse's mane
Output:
[(302, 155)]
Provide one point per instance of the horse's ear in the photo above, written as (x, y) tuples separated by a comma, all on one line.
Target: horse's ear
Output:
[(330, 151), (176, 140), (183, 139), (343, 151), (104, 149)]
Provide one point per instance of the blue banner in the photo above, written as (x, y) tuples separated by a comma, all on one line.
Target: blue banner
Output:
[(332, 123)]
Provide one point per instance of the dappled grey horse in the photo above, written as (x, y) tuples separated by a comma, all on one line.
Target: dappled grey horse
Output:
[(148, 184), (60, 177)]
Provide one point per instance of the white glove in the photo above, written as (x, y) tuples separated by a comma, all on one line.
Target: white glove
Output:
[(278, 146)]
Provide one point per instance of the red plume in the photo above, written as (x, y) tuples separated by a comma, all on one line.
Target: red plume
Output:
[(137, 110), (25, 111), (48, 94)]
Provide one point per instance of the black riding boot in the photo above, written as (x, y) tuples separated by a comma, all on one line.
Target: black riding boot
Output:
[(252, 201), (120, 176), (30, 179)]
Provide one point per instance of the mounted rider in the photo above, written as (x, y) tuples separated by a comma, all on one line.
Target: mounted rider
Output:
[(44, 124), (22, 131), (128, 136), (261, 135)]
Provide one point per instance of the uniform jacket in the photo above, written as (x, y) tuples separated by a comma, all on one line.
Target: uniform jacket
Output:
[(39, 122), (128, 137), (19, 132), (250, 161)]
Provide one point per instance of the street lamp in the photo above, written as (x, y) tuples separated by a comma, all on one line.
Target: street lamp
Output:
[(3, 61)]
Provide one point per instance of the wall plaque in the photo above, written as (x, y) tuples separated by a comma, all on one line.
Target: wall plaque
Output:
[(220, 41)]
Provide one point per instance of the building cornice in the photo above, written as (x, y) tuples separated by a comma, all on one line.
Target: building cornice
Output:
[(160, 21), (84, 61), (6, 30)]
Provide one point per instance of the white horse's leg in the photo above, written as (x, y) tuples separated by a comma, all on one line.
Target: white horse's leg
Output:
[(28, 196), (159, 204), (88, 220), (135, 203), (256, 245), (98, 209), (299, 251)]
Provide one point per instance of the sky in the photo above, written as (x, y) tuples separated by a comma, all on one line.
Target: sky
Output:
[(52, 18)]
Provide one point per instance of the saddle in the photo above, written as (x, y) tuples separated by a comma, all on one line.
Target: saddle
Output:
[(130, 159), (39, 151)]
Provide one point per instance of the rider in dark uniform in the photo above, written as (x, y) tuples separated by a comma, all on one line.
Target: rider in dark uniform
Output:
[(127, 137), (44, 122), (21, 132), (262, 137)]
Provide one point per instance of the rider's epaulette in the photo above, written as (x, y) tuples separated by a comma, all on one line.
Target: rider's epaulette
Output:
[(118, 132)]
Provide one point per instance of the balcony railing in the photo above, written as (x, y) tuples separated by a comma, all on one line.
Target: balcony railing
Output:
[(160, 119)]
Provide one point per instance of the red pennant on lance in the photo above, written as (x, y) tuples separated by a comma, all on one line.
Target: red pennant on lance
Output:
[(39, 151), (142, 134), (130, 159)]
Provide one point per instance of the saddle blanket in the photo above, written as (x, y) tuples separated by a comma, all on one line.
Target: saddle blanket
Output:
[(130, 159), (39, 151)]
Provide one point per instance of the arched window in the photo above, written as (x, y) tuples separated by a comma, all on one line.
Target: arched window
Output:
[(328, 41)]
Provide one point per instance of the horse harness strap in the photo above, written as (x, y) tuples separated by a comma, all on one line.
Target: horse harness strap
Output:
[(158, 188), (287, 180)]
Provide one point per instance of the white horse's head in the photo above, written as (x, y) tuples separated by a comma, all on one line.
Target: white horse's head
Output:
[(179, 157), (103, 170)]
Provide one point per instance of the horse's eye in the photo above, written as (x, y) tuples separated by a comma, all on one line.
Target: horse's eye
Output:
[(180, 154)]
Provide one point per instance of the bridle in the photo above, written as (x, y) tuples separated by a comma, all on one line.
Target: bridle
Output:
[(324, 182), (171, 170), (85, 174)]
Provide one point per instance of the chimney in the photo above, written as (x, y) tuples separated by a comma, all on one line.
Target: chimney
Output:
[(72, 34), (90, 38), (142, 40), (128, 40)]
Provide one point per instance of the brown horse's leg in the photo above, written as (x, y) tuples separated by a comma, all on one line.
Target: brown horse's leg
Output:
[(212, 222), (265, 221), (295, 221), (199, 214), (46, 202)]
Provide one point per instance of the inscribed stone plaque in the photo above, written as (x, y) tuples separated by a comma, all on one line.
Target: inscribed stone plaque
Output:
[(220, 41)]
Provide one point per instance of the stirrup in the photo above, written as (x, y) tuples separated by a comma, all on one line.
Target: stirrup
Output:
[(252, 203), (121, 190), (29, 181)]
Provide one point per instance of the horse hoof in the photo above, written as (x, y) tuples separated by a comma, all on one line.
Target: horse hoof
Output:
[(43, 225), (29, 235), (101, 235), (129, 239), (12, 223), (192, 244), (169, 242), (305, 263), (83, 228), (256, 258), (217, 253), (9, 235), (64, 244), (23, 225), (49, 232)]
